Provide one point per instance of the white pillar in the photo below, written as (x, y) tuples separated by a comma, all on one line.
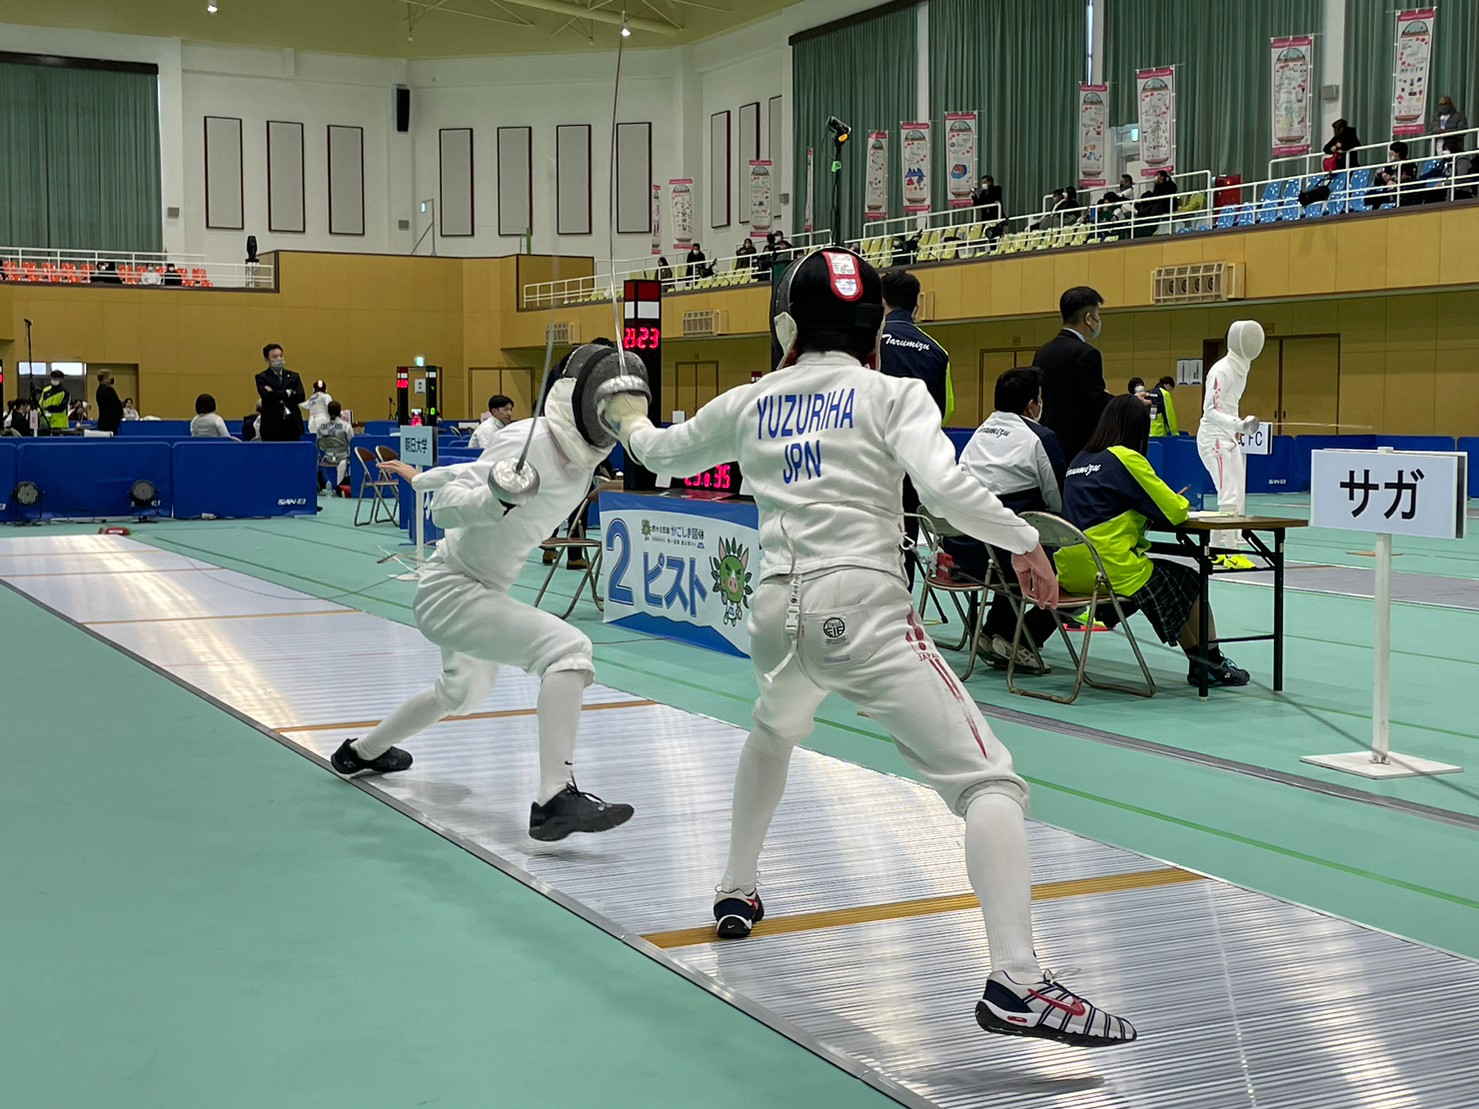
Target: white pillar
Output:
[(1096, 41), (1331, 50)]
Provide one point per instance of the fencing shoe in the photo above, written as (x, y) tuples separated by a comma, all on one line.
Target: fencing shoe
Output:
[(351, 764), (570, 810), (737, 912), (1047, 1009), (1220, 672)]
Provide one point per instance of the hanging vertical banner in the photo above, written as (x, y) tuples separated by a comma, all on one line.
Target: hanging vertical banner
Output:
[(811, 159), (762, 184), (1410, 85), (1093, 134), (1293, 66), (914, 145), (960, 157), (681, 190), (1156, 94), (875, 177), (656, 219)]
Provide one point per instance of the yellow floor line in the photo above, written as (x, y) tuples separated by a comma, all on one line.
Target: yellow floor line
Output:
[(499, 714), (927, 906), (238, 616)]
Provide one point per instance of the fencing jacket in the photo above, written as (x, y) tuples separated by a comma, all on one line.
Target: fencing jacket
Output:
[(1111, 496), (825, 445), (1012, 454), (488, 541), (1223, 391)]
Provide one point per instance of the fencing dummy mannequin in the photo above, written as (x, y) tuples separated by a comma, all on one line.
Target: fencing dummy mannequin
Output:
[(1217, 437)]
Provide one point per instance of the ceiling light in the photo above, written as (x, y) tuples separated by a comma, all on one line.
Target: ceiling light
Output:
[(626, 32), (211, 7)]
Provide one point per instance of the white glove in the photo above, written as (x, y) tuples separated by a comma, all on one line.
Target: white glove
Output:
[(1249, 425), (625, 413)]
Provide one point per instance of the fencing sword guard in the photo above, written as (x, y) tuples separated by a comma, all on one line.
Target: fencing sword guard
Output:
[(513, 482)]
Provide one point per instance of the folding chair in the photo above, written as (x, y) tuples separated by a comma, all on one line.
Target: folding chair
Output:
[(574, 540), (1057, 534), (332, 450), (932, 530), (383, 490)]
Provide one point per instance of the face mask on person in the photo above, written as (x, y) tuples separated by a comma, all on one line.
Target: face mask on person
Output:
[(277, 363)]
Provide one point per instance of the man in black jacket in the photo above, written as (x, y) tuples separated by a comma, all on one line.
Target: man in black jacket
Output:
[(1074, 395), (281, 391)]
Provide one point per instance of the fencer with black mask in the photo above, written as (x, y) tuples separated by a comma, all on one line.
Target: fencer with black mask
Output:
[(463, 604), (824, 443)]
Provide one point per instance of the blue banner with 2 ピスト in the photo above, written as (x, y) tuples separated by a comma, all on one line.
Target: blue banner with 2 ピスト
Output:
[(681, 568)]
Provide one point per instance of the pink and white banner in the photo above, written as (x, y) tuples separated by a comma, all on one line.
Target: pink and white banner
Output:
[(875, 177), (811, 170), (1292, 69), (762, 189), (657, 219), (1410, 86), (914, 145), (1093, 134), (1156, 94), (681, 191), (961, 142)]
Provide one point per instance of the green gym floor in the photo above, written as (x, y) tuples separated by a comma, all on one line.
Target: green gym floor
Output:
[(195, 916)]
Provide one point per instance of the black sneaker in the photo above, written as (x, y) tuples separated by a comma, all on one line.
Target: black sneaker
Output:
[(550, 556), (1049, 1010), (577, 562), (1220, 673), (570, 810), (351, 764), (736, 913)]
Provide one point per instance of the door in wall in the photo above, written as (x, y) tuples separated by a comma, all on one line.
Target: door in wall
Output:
[(514, 382), (694, 385)]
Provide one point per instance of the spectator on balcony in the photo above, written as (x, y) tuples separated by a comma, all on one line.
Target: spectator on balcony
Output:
[(745, 255), (1155, 204), (106, 273), (129, 411), (1448, 120), (173, 278), (1384, 179), (1072, 208), (207, 424), (664, 270), (1047, 217), (1341, 146), (987, 200), (698, 263), (110, 408)]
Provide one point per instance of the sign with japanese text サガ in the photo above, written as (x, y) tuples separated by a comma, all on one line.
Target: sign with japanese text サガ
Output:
[(1394, 492), (682, 569)]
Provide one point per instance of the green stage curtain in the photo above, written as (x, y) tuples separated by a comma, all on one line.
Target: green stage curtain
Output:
[(1019, 65), (22, 171), (79, 159), (1222, 88), (866, 75), (1370, 54)]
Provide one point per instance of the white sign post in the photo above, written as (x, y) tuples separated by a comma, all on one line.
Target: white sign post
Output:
[(1391, 493), (418, 448)]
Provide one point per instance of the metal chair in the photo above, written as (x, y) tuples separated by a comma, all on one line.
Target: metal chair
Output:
[(969, 598), (1057, 534), (384, 490), (575, 540), (333, 449)]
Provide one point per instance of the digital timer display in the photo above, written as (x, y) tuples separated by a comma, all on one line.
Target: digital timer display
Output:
[(723, 478), (642, 338)]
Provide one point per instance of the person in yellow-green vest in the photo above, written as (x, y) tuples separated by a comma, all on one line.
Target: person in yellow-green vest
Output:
[(1163, 410), (53, 404), (906, 351), (1111, 495)]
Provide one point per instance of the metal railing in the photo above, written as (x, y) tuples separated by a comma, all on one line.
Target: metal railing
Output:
[(38, 266), (1371, 154), (721, 272)]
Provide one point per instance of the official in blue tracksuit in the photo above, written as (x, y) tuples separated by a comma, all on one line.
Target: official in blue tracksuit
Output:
[(906, 351)]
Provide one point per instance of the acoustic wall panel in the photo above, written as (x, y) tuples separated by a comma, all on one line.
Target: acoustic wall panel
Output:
[(346, 180), (286, 200), (749, 150), (455, 206), (225, 194), (573, 179), (515, 180), (633, 178)]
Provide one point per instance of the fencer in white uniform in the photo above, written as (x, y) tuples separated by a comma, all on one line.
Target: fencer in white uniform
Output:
[(464, 607), (317, 405), (1217, 435), (824, 443)]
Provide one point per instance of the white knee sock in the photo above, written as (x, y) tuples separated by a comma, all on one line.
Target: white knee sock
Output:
[(757, 791), (417, 714), (996, 860), (560, 697)]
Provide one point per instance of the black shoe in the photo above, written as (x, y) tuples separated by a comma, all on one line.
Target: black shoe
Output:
[(550, 556), (736, 913), (577, 562), (1219, 673), (570, 810), (351, 764)]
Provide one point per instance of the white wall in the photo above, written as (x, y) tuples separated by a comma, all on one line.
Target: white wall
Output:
[(746, 79)]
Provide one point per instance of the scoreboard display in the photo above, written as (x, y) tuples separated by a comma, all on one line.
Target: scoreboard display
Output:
[(642, 335)]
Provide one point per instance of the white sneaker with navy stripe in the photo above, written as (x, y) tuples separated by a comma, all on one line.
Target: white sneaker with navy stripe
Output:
[(1047, 1009)]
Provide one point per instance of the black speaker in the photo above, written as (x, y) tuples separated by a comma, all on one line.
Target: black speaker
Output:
[(402, 109)]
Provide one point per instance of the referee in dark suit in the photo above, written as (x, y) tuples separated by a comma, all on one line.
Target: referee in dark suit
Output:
[(1073, 389), (281, 391)]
